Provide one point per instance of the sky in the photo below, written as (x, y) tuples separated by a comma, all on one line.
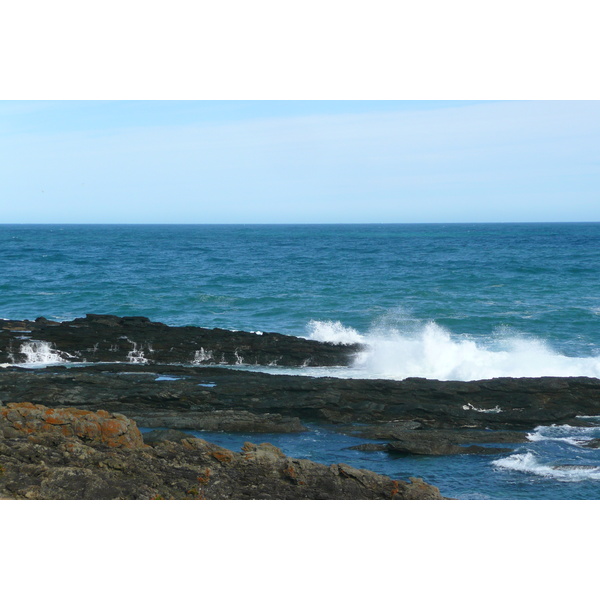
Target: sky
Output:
[(299, 161)]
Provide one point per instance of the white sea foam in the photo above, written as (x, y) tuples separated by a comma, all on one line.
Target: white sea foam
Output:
[(469, 406), (136, 355), (202, 356), (40, 353), (428, 350), (563, 433), (529, 463), (334, 332)]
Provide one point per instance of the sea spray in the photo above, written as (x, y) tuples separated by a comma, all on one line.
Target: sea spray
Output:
[(333, 332), (40, 353), (431, 351), (529, 463), (564, 433), (136, 355)]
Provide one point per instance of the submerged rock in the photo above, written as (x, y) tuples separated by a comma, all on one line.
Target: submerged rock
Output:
[(442, 442), (370, 447), (39, 459), (440, 448), (595, 443), (449, 436)]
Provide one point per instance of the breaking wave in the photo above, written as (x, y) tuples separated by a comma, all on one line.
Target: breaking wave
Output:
[(428, 350), (563, 433), (530, 463)]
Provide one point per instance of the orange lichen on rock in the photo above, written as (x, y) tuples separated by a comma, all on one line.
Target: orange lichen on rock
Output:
[(114, 430), (222, 457), (204, 478)]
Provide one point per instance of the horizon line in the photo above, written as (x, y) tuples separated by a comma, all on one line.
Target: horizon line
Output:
[(316, 224)]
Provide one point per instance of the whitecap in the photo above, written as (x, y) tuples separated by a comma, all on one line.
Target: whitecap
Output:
[(529, 463), (563, 433)]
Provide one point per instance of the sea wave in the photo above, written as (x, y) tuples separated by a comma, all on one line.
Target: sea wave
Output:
[(431, 351), (563, 433), (529, 463)]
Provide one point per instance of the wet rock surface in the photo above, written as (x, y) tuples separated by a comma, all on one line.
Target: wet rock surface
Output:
[(51, 463), (144, 391), (108, 338)]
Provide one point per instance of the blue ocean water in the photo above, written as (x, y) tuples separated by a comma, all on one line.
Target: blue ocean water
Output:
[(456, 301)]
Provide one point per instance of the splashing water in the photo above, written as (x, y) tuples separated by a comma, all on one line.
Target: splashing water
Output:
[(529, 463), (40, 353), (567, 434), (202, 356), (431, 351), (334, 332), (136, 355)]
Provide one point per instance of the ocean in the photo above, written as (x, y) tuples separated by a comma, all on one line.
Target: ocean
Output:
[(441, 301)]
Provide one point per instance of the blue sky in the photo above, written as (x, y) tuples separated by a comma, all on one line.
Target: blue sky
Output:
[(299, 162)]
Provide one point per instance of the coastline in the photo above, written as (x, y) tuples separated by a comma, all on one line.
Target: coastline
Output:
[(413, 417)]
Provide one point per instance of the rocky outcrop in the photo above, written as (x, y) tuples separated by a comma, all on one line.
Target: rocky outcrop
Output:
[(183, 393), (440, 448), (108, 338), (441, 442), (25, 418), (39, 459)]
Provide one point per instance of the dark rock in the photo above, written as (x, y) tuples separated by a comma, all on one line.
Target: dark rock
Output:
[(441, 442), (434, 448), (370, 447), (157, 436), (221, 420), (385, 431), (450, 436), (595, 443), (138, 340)]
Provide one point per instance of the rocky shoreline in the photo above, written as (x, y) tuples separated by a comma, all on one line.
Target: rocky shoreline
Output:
[(409, 417), (72, 454)]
